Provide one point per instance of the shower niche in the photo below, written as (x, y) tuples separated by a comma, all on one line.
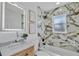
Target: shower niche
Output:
[(13, 17)]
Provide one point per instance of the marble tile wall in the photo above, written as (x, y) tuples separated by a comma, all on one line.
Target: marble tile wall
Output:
[(62, 39)]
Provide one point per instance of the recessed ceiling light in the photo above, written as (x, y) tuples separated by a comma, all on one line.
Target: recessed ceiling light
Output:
[(57, 3)]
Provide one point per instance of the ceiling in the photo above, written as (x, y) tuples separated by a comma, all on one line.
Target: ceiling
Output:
[(43, 5)]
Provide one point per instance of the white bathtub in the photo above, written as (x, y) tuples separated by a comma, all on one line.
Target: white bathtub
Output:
[(56, 51)]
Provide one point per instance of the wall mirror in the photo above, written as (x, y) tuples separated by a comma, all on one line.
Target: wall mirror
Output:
[(59, 24), (13, 17)]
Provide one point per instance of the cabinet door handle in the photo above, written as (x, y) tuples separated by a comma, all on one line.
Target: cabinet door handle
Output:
[(26, 54)]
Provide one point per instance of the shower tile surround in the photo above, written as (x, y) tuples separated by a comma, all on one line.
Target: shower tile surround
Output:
[(69, 40)]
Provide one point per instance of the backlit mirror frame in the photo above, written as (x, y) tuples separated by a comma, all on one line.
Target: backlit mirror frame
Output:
[(3, 17)]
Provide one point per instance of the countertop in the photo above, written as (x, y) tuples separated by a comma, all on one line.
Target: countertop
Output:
[(16, 47)]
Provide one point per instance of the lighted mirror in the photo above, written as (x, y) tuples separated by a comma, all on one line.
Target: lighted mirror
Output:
[(59, 24), (13, 17)]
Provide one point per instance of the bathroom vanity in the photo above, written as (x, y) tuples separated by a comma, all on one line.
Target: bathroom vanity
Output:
[(25, 48), (13, 20)]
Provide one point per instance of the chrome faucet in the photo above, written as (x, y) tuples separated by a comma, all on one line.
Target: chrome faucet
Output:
[(17, 35)]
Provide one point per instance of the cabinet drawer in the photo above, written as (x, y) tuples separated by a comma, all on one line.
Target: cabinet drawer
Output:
[(30, 51), (25, 52), (21, 53)]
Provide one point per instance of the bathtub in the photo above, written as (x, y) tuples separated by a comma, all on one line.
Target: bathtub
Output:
[(55, 51)]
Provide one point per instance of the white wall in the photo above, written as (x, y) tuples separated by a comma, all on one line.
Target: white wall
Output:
[(0, 17), (7, 36)]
